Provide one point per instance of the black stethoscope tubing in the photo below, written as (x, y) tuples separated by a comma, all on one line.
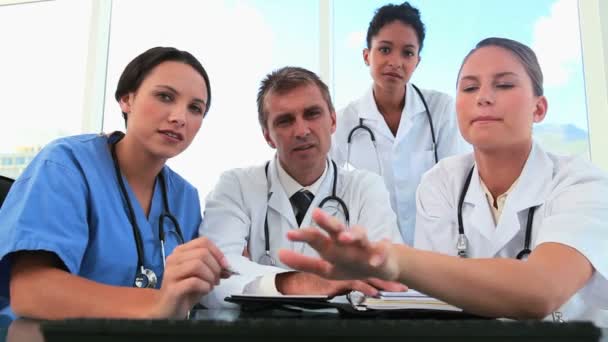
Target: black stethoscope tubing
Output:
[(135, 227), (362, 126), (462, 244), (332, 197)]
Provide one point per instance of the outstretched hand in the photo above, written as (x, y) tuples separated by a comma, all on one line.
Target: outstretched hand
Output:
[(344, 254)]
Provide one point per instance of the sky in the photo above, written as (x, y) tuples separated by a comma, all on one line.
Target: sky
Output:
[(239, 42)]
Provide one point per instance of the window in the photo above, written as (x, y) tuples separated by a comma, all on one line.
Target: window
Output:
[(43, 72), (238, 43), (454, 27), (51, 84)]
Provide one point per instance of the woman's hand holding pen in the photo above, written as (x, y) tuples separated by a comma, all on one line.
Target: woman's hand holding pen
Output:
[(191, 271), (344, 254)]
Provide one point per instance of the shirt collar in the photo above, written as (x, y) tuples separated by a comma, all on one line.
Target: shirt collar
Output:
[(500, 200), (291, 186), (369, 109)]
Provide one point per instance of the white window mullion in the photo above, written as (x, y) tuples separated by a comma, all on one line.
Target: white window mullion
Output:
[(97, 62), (326, 42), (593, 18)]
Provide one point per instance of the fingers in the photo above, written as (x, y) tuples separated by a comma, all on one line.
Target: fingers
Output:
[(357, 237), (328, 223), (203, 242), (181, 296), (194, 268), (379, 253), (303, 263), (203, 254), (386, 285), (364, 287), (312, 236)]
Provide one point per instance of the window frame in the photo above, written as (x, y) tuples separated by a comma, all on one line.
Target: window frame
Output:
[(593, 21)]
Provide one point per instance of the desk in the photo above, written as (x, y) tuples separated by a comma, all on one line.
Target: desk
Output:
[(229, 325)]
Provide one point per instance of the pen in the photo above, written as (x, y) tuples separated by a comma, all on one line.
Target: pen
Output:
[(229, 271)]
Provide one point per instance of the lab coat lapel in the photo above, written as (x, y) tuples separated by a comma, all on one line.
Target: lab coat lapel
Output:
[(413, 107), (278, 201), (528, 192), (480, 218), (373, 118)]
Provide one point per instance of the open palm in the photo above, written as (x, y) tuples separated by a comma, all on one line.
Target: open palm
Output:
[(344, 254)]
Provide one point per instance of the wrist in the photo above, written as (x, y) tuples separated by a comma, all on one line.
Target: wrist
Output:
[(397, 254), (150, 306)]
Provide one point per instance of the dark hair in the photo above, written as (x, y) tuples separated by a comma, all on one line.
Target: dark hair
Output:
[(405, 13), (522, 52), (286, 79), (139, 68)]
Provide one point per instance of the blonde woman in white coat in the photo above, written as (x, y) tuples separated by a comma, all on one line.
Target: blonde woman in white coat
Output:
[(525, 239)]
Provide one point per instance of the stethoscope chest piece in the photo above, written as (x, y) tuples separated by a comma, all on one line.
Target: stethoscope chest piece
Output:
[(267, 259), (146, 278), (462, 245)]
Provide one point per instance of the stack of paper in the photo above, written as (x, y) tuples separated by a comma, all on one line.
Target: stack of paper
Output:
[(406, 300)]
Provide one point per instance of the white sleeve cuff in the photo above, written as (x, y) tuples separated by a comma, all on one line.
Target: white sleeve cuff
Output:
[(262, 285)]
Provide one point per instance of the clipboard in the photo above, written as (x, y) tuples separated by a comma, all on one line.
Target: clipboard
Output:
[(257, 303)]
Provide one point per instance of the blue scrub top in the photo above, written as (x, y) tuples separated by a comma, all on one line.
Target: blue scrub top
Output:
[(68, 202)]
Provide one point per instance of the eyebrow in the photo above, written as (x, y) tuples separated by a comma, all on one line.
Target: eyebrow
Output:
[(313, 107), (286, 115), (308, 109), (173, 90), (388, 42), (498, 75)]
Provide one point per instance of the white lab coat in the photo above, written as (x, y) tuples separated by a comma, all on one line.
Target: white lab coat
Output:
[(404, 157), (236, 209), (572, 210)]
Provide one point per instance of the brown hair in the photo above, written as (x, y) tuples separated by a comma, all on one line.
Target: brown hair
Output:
[(522, 52), (139, 68), (284, 80)]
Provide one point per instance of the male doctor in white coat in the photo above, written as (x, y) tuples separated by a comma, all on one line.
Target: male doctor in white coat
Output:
[(250, 211)]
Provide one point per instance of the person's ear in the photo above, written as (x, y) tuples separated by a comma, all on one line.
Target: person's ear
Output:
[(540, 110), (332, 115), (366, 56), (126, 101), (268, 138)]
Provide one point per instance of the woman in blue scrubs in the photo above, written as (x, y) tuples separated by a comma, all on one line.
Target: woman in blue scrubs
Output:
[(98, 225)]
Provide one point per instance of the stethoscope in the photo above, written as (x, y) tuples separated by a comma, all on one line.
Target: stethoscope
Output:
[(372, 136), (145, 277), (462, 243), (266, 258)]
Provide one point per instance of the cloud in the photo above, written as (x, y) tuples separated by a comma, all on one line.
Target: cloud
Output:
[(556, 41)]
